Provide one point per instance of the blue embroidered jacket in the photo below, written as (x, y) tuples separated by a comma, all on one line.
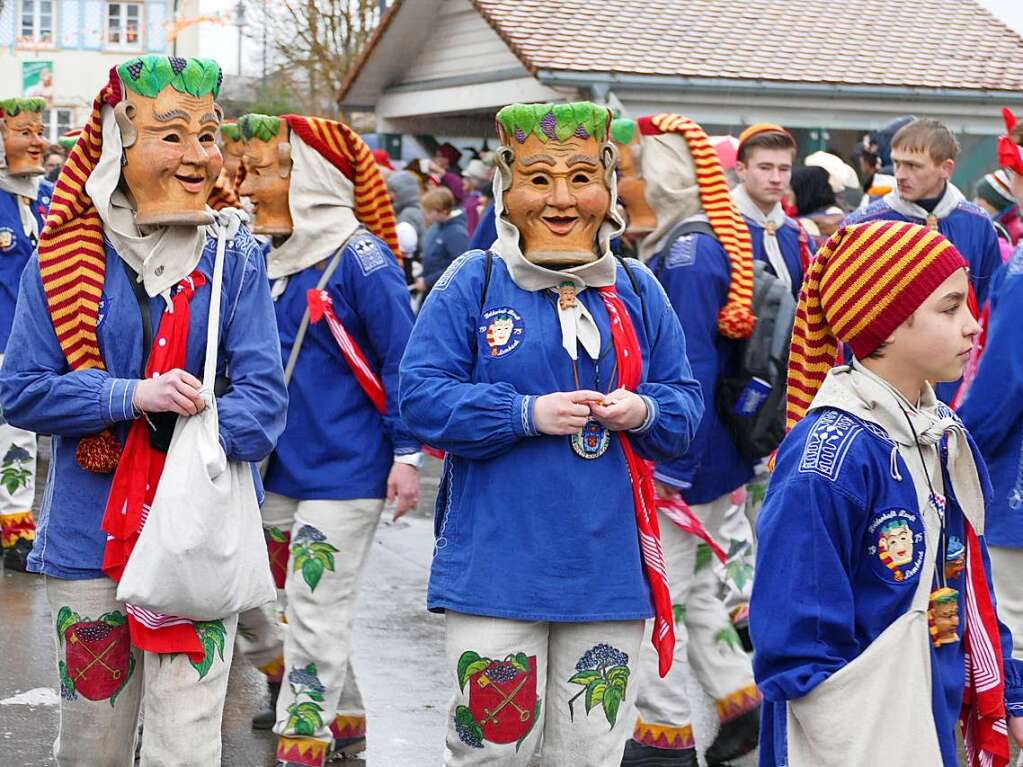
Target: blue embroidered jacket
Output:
[(16, 248), (525, 528), (823, 593), (694, 272), (968, 228), (336, 445), (788, 243), (39, 393), (993, 408)]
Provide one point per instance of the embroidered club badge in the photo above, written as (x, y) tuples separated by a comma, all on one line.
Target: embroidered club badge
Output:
[(896, 544), (501, 331)]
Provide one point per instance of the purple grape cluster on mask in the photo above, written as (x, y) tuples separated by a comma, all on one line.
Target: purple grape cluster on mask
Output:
[(549, 125), (135, 69), (178, 64)]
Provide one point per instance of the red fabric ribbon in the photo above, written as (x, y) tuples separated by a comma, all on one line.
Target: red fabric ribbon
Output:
[(321, 306), (682, 517), (982, 718), (135, 482), (630, 372)]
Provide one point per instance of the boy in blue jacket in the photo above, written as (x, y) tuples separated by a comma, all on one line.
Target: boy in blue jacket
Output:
[(24, 198), (550, 373), (344, 317), (924, 154), (109, 335), (700, 253), (872, 565)]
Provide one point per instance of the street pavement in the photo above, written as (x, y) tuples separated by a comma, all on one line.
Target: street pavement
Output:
[(399, 650)]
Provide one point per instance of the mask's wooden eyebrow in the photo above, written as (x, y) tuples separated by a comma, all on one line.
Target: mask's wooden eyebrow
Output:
[(174, 114), (536, 158), (585, 159)]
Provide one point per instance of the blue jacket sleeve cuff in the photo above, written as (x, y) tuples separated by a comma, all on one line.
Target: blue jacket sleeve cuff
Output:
[(116, 395), (652, 411), (667, 479), (1014, 687), (522, 415)]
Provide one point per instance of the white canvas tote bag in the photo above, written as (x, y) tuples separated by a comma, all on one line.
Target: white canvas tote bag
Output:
[(201, 554)]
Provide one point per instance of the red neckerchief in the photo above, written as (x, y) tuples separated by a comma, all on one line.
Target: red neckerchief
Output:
[(682, 517), (982, 718), (629, 358), (135, 483)]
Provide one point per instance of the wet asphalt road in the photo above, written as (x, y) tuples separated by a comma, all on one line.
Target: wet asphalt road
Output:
[(398, 653)]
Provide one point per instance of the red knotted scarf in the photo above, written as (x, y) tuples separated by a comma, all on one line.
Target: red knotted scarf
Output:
[(982, 718), (135, 483), (630, 372)]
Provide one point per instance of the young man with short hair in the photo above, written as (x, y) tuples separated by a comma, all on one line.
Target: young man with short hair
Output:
[(873, 641), (924, 155), (764, 166)]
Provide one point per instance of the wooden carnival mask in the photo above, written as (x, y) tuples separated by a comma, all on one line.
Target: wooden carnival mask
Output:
[(267, 183), (21, 126), (556, 168), (631, 186), (168, 121), (232, 147)]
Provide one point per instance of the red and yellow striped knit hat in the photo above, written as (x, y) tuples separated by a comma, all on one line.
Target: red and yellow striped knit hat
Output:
[(865, 281), (72, 260), (343, 148), (735, 320)]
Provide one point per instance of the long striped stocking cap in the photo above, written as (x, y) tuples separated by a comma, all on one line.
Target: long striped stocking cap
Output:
[(864, 282), (735, 320), (346, 151), (72, 260)]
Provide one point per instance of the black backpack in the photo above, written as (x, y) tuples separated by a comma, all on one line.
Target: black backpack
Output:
[(751, 401)]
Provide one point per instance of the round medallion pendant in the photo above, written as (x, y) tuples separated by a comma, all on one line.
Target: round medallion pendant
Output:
[(591, 441)]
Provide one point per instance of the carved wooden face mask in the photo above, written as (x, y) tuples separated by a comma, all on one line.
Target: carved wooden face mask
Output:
[(558, 199), (267, 181), (233, 150), (171, 156), (632, 189), (24, 143)]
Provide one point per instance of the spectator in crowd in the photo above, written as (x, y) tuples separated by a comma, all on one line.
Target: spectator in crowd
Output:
[(53, 161), (446, 159), (816, 205), (446, 238), (384, 163), (476, 177), (993, 195)]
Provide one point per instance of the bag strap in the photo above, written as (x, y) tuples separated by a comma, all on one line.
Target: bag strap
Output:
[(147, 321), (209, 372), (296, 347)]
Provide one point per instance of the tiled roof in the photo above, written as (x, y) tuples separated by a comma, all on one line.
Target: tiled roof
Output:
[(923, 43)]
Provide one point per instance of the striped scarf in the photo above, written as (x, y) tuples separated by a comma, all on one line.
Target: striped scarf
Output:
[(629, 359), (735, 320)]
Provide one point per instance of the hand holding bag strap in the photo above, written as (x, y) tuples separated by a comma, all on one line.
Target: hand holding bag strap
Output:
[(209, 373), (296, 347)]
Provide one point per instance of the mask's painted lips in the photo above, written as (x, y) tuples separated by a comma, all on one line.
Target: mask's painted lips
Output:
[(193, 184), (560, 225)]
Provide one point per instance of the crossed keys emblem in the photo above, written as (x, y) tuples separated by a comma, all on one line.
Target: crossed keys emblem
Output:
[(97, 658), (506, 700)]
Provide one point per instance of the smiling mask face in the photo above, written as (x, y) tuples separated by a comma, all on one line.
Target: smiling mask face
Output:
[(268, 170), (24, 139), (558, 196)]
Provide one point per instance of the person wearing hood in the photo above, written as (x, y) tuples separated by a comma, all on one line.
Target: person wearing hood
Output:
[(924, 154), (692, 237), (24, 200), (108, 340), (344, 317), (477, 177), (551, 373), (873, 614), (445, 159)]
